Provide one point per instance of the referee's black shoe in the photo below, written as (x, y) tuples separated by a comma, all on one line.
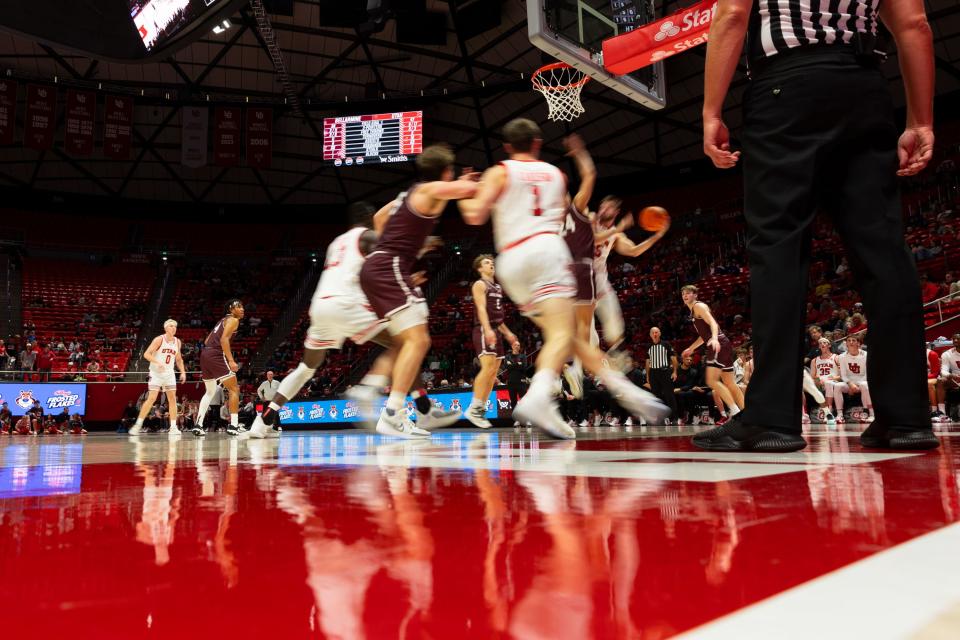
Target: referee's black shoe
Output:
[(734, 435), (878, 436)]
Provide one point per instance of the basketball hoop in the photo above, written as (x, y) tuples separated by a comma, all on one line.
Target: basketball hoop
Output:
[(560, 84)]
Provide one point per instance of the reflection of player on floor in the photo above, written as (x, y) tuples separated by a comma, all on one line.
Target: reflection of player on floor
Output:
[(488, 321), (718, 355), (611, 237), (528, 200), (387, 275), (217, 367), (162, 354)]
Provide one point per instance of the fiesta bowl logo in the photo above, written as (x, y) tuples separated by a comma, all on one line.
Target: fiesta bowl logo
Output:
[(25, 399), (316, 412), (351, 410), (61, 398), (285, 413)]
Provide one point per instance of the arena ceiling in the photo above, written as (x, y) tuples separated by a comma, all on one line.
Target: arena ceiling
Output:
[(467, 89)]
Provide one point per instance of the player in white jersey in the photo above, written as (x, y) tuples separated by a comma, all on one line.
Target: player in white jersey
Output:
[(825, 369), (340, 311), (162, 354), (853, 378), (611, 237), (528, 200)]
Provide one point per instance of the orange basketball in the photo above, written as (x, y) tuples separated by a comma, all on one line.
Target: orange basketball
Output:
[(653, 218)]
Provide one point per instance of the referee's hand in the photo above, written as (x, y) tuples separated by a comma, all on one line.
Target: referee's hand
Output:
[(915, 150), (716, 144)]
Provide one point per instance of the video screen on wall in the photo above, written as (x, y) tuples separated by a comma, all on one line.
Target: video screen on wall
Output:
[(159, 20)]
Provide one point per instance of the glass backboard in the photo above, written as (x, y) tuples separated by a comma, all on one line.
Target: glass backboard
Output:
[(573, 31)]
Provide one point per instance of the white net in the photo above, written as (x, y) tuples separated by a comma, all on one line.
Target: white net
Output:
[(561, 84)]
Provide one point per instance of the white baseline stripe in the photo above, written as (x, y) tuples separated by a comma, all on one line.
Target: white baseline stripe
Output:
[(891, 594)]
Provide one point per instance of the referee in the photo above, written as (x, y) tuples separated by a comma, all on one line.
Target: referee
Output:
[(818, 133), (662, 370)]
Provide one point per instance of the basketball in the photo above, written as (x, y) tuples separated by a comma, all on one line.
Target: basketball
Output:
[(653, 218)]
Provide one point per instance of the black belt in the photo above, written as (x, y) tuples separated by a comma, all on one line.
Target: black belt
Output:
[(862, 52)]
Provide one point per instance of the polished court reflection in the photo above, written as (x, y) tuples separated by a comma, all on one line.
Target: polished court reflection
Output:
[(465, 535)]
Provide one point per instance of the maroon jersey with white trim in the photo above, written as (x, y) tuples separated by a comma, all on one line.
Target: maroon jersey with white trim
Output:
[(494, 295), (213, 338), (577, 231), (405, 231)]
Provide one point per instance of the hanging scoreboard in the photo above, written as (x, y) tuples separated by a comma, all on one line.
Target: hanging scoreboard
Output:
[(372, 139)]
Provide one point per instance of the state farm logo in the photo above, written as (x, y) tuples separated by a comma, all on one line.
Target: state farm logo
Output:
[(696, 18), (667, 30)]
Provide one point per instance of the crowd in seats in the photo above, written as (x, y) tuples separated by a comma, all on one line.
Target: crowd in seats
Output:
[(80, 319)]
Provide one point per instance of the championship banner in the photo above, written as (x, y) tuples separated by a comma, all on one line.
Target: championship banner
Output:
[(193, 127), (41, 110), (259, 138), (8, 110), (659, 39), (81, 112), (117, 127), (226, 136)]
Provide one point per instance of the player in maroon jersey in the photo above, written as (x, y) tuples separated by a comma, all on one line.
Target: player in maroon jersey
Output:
[(387, 274), (488, 323), (718, 353), (218, 367)]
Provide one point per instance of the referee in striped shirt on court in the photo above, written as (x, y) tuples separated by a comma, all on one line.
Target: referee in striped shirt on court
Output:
[(819, 133), (662, 370)]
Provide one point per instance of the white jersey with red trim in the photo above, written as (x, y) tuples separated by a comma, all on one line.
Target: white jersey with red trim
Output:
[(167, 354), (826, 367), (853, 368), (533, 201), (601, 252), (341, 269)]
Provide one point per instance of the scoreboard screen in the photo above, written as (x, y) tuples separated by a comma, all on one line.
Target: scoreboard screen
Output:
[(372, 139)]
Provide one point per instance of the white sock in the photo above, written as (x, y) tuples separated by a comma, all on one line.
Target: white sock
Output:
[(942, 407), (612, 379), (274, 406), (173, 423), (291, 385), (234, 419), (211, 390), (734, 410), (138, 423), (375, 380), (395, 400), (477, 402)]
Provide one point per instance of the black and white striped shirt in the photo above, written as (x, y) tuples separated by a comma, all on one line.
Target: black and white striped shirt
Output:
[(779, 25), (659, 355)]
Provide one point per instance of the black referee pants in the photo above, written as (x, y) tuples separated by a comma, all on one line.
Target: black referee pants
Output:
[(662, 386), (818, 132)]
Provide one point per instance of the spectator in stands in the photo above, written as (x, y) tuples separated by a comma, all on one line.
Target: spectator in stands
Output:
[(6, 418), (28, 360), (93, 367), (45, 364), (929, 290), (268, 388), (62, 418), (856, 324)]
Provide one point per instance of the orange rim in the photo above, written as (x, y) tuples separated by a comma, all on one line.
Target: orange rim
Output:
[(535, 78)]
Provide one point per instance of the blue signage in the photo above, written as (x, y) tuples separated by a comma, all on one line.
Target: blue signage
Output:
[(28, 470), (53, 396), (339, 411)]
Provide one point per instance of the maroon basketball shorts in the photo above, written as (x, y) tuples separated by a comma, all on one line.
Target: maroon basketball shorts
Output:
[(213, 365), (586, 284), (386, 281), (722, 359), (482, 349)]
